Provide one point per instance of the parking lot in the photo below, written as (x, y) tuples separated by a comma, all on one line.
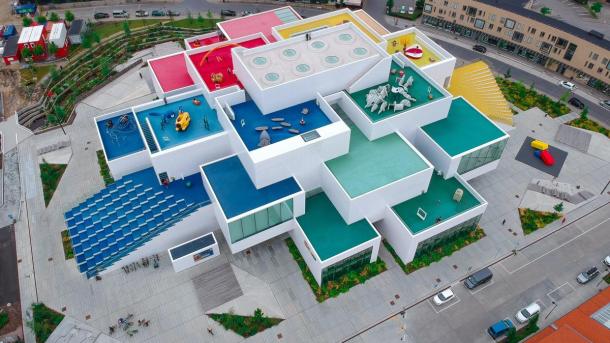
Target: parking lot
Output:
[(544, 272)]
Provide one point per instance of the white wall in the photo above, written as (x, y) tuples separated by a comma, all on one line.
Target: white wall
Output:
[(128, 164), (198, 223), (376, 75), (434, 153), (440, 71), (187, 261)]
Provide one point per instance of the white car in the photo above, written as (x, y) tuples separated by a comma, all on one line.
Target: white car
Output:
[(605, 104), (567, 85), (526, 313), (443, 297), (607, 261), (411, 10)]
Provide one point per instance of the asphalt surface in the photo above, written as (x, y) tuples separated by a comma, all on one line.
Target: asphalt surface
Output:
[(9, 279), (544, 272)]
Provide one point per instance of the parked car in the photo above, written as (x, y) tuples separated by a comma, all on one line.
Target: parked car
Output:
[(443, 297), (171, 13), (528, 312), (479, 48), (411, 10), (606, 261), (245, 13), (141, 13), (403, 9), (587, 275), (500, 328), (101, 15), (567, 85), (576, 103), (158, 13), (605, 104), (478, 278), (120, 14), (228, 13)]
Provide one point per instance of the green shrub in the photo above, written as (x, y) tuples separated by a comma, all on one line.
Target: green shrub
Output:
[(526, 98), (44, 321), (245, 326), (67, 245), (532, 220), (3, 319), (104, 169), (50, 174)]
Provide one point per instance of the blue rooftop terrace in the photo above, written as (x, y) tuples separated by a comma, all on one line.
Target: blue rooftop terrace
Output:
[(236, 192), (120, 135), (204, 122), (280, 125)]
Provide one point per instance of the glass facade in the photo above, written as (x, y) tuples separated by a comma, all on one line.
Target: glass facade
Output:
[(481, 157), (448, 235), (260, 221), (342, 267)]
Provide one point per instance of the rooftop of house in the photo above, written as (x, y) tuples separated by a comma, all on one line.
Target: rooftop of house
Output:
[(235, 191), (373, 164), (329, 234), (171, 72), (400, 43), (31, 34), (293, 59), (465, 128), (437, 203), (120, 135), (280, 125), (418, 90), (209, 64), (259, 22)]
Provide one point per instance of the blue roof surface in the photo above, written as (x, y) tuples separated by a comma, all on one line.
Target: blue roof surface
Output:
[(120, 138), (235, 191)]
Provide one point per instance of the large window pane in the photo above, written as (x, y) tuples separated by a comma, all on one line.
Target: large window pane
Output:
[(481, 157), (275, 215), (235, 231), (286, 210), (260, 221)]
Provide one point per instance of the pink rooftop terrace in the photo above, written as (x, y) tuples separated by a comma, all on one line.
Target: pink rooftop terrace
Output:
[(254, 23), (171, 72)]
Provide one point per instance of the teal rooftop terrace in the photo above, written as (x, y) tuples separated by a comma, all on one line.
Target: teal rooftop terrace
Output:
[(437, 202), (328, 232), (418, 90), (465, 128), (373, 164)]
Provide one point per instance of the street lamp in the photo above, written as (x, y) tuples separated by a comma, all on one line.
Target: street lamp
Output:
[(554, 307)]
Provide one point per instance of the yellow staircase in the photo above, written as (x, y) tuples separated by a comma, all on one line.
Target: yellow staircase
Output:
[(477, 84)]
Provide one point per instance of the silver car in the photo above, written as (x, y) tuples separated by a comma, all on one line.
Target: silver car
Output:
[(605, 104)]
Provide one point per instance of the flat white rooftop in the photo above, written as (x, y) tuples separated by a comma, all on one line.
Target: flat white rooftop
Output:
[(281, 62)]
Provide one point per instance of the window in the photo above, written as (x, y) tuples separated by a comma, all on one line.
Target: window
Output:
[(590, 66), (479, 24), (446, 3), (509, 24), (491, 26), (499, 29), (553, 39), (545, 47), (461, 17), (599, 70), (444, 237), (595, 57), (472, 11), (492, 18), (562, 43), (533, 31), (481, 157), (338, 269), (570, 52), (542, 34), (605, 61), (427, 8), (260, 221), (518, 37)]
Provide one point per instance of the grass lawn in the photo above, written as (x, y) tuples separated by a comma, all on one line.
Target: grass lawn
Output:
[(67, 244), (28, 74), (3, 319), (50, 174), (515, 336), (607, 278), (590, 125), (526, 97), (104, 170), (44, 322), (532, 220), (193, 23), (332, 289), (109, 28), (245, 326), (416, 14), (437, 252)]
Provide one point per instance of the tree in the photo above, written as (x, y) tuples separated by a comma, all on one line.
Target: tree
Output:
[(545, 11), (86, 41), (26, 53), (38, 50), (419, 4), (584, 114), (200, 19), (52, 48), (564, 97), (53, 17), (54, 73), (126, 28), (258, 316), (27, 21), (209, 15), (559, 207), (596, 7), (389, 4), (105, 70), (189, 17), (40, 19), (507, 74), (57, 116), (69, 16)]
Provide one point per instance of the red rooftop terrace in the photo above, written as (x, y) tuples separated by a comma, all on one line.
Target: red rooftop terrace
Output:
[(171, 72)]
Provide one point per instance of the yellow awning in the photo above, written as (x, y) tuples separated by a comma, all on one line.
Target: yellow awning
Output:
[(477, 84)]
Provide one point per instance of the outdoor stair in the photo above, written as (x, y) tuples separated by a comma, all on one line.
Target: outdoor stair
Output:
[(150, 141)]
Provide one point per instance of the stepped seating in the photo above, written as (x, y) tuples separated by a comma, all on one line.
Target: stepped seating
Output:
[(128, 213), (148, 135)]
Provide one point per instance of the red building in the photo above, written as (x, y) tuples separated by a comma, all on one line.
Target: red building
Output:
[(59, 36), (30, 38)]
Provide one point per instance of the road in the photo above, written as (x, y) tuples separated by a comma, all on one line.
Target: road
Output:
[(543, 272)]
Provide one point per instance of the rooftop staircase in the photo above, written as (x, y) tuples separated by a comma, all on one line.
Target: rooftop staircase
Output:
[(128, 213)]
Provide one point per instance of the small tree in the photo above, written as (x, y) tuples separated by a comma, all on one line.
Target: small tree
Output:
[(564, 97), (258, 316), (126, 28), (189, 17), (38, 50), (507, 74), (57, 117), (596, 7), (389, 4), (54, 74), (545, 11), (27, 21), (584, 114), (209, 15), (105, 70), (69, 16), (200, 19), (95, 36), (40, 19), (52, 48), (86, 41), (26, 53), (559, 207), (54, 16)]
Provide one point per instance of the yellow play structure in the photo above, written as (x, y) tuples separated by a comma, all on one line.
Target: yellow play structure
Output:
[(540, 145), (183, 121)]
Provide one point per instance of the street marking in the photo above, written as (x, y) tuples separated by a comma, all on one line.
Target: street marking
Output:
[(451, 303), (480, 289), (560, 246), (558, 297)]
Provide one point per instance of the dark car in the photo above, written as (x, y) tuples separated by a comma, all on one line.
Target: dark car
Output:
[(479, 48), (228, 13), (500, 328), (157, 13), (587, 275), (101, 15), (141, 13), (171, 13), (478, 278), (576, 103)]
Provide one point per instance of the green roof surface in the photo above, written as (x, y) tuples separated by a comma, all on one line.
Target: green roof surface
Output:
[(464, 128), (437, 202), (419, 90), (373, 164), (326, 230)]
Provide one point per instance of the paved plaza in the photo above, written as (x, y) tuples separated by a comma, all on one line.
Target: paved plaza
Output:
[(265, 276)]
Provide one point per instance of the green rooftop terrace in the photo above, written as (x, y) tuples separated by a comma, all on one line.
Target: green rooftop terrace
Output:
[(326, 230), (464, 128), (437, 202), (419, 90), (373, 164)]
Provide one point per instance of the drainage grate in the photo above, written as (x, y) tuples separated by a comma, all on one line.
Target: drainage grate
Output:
[(310, 136)]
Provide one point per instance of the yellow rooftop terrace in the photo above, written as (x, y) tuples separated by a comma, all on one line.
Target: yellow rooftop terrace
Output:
[(398, 41)]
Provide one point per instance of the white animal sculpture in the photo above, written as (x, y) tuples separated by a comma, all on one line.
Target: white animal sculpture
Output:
[(383, 107), (401, 80), (398, 107), (409, 82), (375, 106)]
